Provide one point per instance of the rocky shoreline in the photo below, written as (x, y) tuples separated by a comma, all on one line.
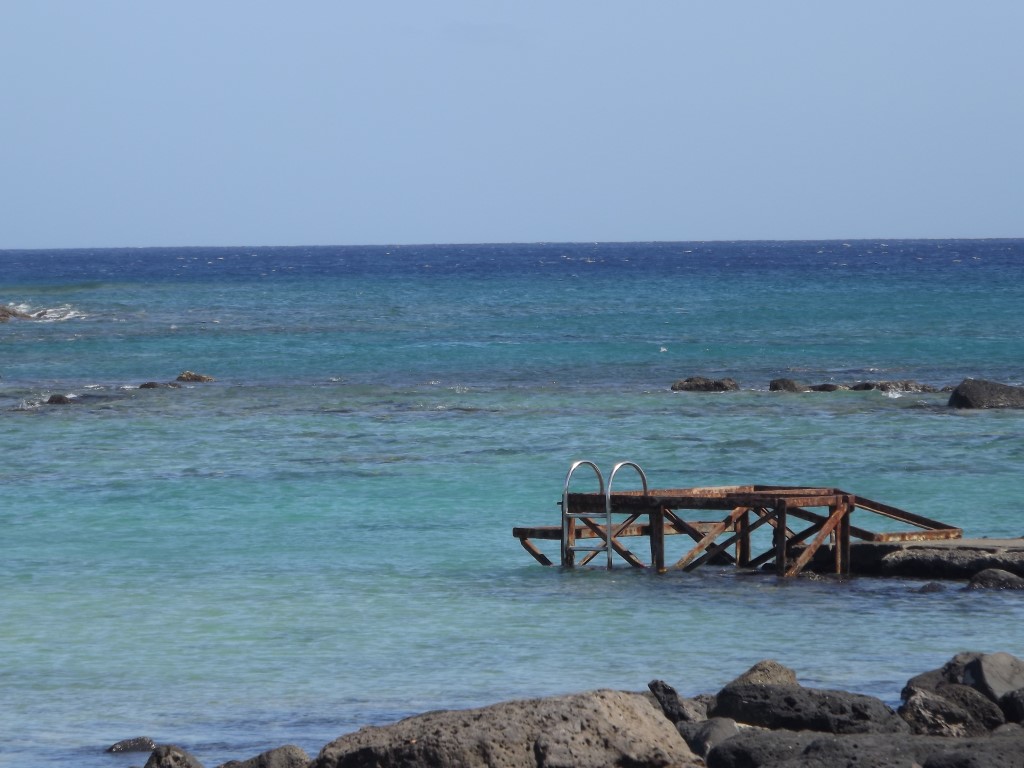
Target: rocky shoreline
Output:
[(966, 714)]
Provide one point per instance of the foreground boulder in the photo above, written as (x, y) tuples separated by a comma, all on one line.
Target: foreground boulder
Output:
[(952, 710), (703, 384), (170, 756), (995, 674), (795, 708), (283, 757), (805, 749), (978, 393), (768, 696), (586, 730)]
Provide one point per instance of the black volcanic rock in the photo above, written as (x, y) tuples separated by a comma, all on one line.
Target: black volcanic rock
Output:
[(978, 393)]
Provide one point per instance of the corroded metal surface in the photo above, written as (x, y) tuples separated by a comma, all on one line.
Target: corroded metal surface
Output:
[(747, 508)]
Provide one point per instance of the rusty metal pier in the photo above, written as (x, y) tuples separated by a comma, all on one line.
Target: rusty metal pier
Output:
[(801, 519)]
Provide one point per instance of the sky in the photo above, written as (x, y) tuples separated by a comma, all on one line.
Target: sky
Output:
[(246, 122)]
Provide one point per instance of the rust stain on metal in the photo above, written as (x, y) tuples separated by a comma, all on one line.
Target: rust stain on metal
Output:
[(660, 513)]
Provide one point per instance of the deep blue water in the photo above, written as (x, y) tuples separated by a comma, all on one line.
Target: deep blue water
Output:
[(321, 538)]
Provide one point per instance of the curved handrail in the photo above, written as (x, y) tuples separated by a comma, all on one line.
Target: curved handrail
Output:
[(576, 465), (566, 520), (611, 477), (607, 496)]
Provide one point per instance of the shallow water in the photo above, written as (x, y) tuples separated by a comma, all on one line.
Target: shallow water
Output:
[(321, 538)]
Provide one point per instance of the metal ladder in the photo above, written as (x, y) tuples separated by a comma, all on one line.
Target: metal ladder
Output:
[(569, 517)]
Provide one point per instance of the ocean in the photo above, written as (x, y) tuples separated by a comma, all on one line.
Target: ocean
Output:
[(320, 539)]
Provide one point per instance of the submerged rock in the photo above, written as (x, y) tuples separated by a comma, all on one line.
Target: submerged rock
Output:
[(6, 313), (978, 393), (704, 384), (136, 744), (995, 578), (894, 386), (192, 376), (785, 385)]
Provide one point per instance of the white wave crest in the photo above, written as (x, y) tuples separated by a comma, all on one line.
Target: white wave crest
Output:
[(50, 314), (61, 313)]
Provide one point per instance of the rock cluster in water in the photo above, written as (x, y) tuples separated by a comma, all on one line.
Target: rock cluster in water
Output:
[(7, 313), (184, 376), (970, 393), (965, 714)]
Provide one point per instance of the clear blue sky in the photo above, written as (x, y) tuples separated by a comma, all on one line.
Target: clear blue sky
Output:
[(244, 122)]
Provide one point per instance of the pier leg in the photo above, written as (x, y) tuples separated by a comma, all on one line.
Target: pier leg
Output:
[(780, 537), (743, 540), (656, 520), (843, 541), (568, 542)]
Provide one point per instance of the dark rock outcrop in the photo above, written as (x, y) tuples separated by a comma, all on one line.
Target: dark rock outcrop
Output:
[(6, 313), (136, 744), (964, 714), (995, 578), (938, 562), (894, 386), (754, 748), (1012, 704), (703, 384), (288, 756), (787, 749), (793, 707), (979, 393), (995, 674), (982, 708), (704, 736), (950, 672), (170, 756), (191, 376), (767, 672), (587, 730), (786, 385), (673, 706), (59, 400), (951, 710)]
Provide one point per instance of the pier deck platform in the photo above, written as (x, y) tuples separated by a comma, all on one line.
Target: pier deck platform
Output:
[(800, 521)]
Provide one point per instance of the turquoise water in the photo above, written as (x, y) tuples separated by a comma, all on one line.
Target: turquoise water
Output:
[(321, 538)]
